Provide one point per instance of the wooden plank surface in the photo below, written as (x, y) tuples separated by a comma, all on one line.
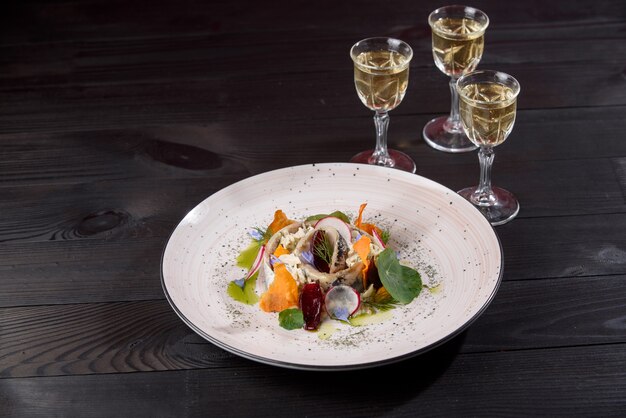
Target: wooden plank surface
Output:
[(230, 150), (263, 98), (118, 117), (582, 381), (119, 267), (99, 338)]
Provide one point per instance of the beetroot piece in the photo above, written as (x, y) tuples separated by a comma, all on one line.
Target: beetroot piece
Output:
[(311, 303)]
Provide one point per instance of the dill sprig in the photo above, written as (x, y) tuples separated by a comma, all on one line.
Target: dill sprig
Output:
[(382, 301), (382, 306), (324, 249), (261, 235)]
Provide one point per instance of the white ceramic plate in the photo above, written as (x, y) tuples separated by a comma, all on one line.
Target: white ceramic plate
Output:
[(432, 228)]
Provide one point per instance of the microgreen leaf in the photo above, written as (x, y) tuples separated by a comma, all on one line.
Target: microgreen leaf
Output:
[(385, 236), (402, 282), (335, 214), (291, 319)]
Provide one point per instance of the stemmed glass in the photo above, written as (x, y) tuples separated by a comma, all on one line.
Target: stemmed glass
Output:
[(458, 43), (488, 106), (381, 76)]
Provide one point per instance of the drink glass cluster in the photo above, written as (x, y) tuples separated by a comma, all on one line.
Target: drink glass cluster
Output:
[(488, 107), (457, 43), (381, 77)]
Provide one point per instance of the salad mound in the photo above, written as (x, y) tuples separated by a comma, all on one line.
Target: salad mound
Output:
[(323, 266)]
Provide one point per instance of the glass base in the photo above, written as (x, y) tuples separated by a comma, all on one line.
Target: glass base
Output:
[(501, 207), (441, 139), (400, 160)]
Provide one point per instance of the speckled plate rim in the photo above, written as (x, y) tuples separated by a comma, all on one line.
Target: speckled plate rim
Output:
[(298, 366)]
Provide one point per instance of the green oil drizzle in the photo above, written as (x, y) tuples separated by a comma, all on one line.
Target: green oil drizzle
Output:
[(246, 295), (370, 319), (326, 330), (248, 255), (436, 289)]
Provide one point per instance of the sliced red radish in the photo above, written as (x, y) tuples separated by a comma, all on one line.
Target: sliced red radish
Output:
[(341, 302), (379, 239), (256, 265), (338, 224)]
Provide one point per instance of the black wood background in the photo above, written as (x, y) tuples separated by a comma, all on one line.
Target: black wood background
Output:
[(117, 117)]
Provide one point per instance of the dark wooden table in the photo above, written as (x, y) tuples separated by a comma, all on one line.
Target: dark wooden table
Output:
[(118, 117)]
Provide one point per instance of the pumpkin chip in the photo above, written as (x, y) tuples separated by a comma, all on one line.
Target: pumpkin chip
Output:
[(369, 228), (359, 220), (362, 248), (280, 221), (280, 250), (282, 293)]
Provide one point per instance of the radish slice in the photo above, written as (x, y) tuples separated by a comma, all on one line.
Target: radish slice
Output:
[(341, 302), (255, 267), (379, 240), (338, 224)]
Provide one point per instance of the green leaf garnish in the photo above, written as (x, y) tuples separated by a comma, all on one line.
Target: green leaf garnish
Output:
[(402, 282), (291, 319), (246, 295), (335, 214)]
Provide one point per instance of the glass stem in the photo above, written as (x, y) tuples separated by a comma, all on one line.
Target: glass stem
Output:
[(483, 196), (453, 123), (381, 155)]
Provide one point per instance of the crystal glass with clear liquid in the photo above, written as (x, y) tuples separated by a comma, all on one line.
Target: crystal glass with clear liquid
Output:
[(488, 105), (381, 77), (458, 40)]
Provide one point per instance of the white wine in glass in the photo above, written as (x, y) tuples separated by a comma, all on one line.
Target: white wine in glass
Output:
[(458, 40), (488, 108), (381, 77)]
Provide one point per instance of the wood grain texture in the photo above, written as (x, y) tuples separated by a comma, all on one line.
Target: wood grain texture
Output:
[(122, 263), (585, 381), (42, 21), (586, 244), (227, 151), (101, 338), (142, 207), (207, 56), (118, 117), (241, 98)]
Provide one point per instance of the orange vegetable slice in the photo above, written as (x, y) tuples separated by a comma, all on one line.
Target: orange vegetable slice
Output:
[(369, 228), (359, 220), (280, 250), (382, 295), (280, 221), (362, 248), (282, 293)]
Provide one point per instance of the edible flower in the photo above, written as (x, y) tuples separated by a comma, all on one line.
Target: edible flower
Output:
[(307, 256), (255, 234)]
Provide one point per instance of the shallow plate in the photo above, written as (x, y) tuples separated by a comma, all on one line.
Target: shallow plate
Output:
[(432, 228)]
